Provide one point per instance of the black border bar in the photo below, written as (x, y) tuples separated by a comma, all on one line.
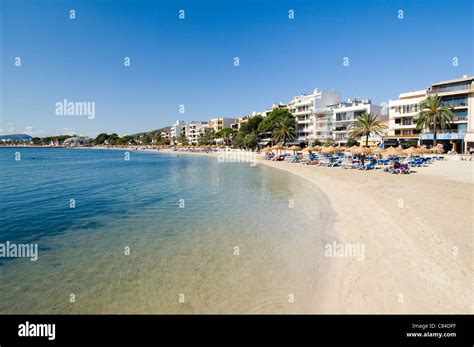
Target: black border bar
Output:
[(242, 329)]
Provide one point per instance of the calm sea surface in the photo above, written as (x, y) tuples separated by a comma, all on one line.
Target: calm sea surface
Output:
[(237, 246)]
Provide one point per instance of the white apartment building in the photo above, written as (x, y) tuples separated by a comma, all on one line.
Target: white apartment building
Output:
[(177, 128), (312, 114), (193, 130), (190, 129), (458, 94), (402, 118), (166, 134), (346, 112)]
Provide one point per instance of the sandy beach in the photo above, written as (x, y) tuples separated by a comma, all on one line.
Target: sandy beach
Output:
[(417, 233)]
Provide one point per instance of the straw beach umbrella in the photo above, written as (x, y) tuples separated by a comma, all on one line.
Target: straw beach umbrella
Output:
[(423, 150), (308, 149), (411, 151), (378, 150), (393, 151), (329, 150), (352, 148), (278, 147), (294, 148), (437, 150), (267, 149), (361, 150)]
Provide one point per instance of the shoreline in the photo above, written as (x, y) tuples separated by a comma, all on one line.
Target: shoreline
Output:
[(416, 231), (417, 260)]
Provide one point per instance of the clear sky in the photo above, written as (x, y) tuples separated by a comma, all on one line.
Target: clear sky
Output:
[(191, 61)]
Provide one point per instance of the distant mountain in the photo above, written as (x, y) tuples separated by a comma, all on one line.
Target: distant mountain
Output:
[(15, 137)]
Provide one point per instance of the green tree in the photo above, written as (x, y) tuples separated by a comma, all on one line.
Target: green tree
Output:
[(248, 133), (329, 141), (113, 139), (239, 140), (101, 138), (225, 134), (37, 141), (202, 140), (126, 140), (284, 130), (269, 123), (410, 143), (352, 142), (182, 139), (365, 125), (433, 113), (251, 126), (251, 141)]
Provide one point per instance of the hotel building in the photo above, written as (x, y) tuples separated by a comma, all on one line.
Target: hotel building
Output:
[(193, 130), (177, 128), (218, 124), (457, 94), (402, 118), (322, 116), (314, 119), (345, 113), (166, 134)]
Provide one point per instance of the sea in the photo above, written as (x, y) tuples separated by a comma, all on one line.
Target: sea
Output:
[(122, 231)]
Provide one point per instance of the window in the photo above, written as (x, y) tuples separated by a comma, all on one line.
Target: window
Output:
[(450, 88), (462, 128), (460, 115), (454, 101)]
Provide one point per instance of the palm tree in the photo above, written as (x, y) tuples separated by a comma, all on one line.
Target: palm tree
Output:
[(365, 125), (226, 134), (433, 112), (284, 130), (182, 138)]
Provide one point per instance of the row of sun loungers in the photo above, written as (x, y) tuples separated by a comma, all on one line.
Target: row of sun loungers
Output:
[(395, 165)]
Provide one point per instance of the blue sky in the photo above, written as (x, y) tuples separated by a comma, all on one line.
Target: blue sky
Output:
[(190, 61)]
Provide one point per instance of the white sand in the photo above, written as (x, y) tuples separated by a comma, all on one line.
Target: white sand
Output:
[(417, 232)]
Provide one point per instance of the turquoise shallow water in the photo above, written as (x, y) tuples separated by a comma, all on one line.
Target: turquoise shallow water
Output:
[(135, 204)]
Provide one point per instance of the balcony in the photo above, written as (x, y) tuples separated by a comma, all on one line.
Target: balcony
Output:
[(452, 88), (317, 137), (402, 115), (404, 126), (304, 121), (298, 112), (323, 119), (319, 131)]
